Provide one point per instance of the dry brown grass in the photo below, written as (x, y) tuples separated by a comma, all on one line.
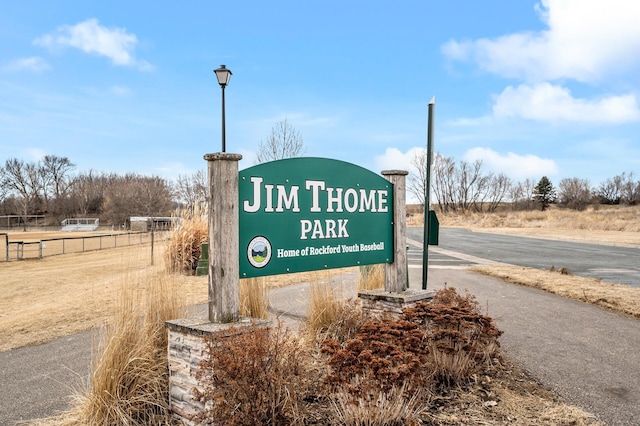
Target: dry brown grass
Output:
[(617, 297), (130, 372), (254, 298), (604, 224), (184, 248), (41, 300), (324, 303), (371, 277), (380, 409)]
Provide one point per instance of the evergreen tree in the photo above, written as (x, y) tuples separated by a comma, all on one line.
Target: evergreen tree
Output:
[(544, 193)]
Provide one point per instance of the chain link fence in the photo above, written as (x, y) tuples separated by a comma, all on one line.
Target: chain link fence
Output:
[(20, 250)]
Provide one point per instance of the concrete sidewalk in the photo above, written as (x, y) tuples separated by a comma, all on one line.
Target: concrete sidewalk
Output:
[(589, 356)]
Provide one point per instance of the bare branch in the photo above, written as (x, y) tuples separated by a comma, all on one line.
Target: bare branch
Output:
[(284, 142)]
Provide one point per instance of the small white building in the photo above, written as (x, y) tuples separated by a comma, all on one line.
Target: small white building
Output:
[(147, 223)]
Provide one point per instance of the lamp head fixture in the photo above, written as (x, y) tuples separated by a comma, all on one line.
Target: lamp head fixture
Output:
[(223, 74)]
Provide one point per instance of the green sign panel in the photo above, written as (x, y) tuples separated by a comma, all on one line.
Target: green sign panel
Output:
[(307, 214)]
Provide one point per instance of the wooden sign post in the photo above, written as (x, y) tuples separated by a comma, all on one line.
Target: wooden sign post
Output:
[(224, 301)]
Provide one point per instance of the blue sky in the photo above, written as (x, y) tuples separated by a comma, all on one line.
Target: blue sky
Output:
[(531, 88)]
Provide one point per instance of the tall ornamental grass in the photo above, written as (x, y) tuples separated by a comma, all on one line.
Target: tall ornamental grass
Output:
[(184, 247)]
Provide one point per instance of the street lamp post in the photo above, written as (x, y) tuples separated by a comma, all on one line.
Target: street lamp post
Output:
[(223, 74)]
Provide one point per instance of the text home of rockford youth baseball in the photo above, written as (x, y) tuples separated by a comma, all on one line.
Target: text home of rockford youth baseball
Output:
[(306, 214)]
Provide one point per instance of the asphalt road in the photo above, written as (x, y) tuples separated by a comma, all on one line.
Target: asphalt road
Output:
[(37, 381), (614, 264)]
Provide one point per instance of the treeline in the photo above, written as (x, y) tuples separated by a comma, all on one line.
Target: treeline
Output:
[(466, 186), (52, 187)]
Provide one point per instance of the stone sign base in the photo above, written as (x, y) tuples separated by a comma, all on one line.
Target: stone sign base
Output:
[(382, 305), (187, 347)]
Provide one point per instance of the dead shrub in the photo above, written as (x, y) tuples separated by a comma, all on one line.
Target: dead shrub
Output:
[(449, 296), (253, 375), (461, 340), (375, 378), (387, 353), (441, 343)]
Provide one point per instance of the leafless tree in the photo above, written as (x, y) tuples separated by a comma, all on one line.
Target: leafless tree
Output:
[(620, 189), (497, 191), (88, 192), (609, 190), (471, 185), (24, 180), (521, 194), (56, 172), (135, 195), (154, 196), (56, 183), (192, 189), (284, 142), (630, 189), (4, 190), (443, 173), (574, 193), (417, 182)]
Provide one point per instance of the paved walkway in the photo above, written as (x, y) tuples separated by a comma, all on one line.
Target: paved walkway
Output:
[(586, 354)]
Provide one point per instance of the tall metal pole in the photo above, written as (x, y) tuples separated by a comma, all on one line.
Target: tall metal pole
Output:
[(427, 194), (224, 140)]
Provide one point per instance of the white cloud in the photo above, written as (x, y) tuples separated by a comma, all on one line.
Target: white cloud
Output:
[(585, 40), (514, 165), (394, 159), (469, 122), (89, 36), (32, 63), (546, 102), (35, 154)]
